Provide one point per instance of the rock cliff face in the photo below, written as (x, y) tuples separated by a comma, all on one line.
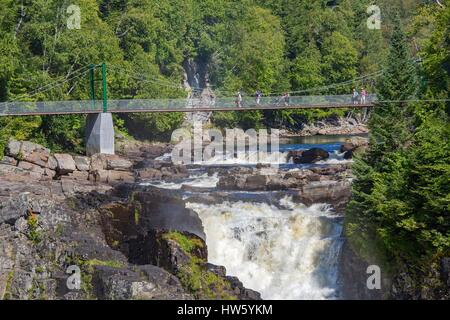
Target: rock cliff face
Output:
[(126, 243), (401, 283)]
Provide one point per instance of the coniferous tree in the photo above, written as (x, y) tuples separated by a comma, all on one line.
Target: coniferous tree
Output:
[(390, 125), (390, 129)]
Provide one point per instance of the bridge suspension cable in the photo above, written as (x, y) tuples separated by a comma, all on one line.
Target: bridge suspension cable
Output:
[(141, 77), (63, 79)]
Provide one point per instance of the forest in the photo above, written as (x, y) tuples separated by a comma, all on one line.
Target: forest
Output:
[(273, 46), (401, 193)]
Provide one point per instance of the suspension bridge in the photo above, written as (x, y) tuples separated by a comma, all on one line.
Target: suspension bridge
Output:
[(100, 129), (103, 105)]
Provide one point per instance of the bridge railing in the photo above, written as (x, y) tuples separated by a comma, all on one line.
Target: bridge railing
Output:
[(141, 105), (231, 103), (49, 107)]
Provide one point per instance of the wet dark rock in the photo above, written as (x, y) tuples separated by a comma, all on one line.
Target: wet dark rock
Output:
[(295, 155), (221, 271), (353, 277), (241, 291), (312, 155), (336, 193), (144, 283), (348, 155), (347, 147)]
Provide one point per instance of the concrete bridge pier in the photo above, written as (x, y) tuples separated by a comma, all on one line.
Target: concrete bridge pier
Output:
[(99, 134)]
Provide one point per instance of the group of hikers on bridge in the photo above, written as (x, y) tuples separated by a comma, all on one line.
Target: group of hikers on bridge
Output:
[(284, 99), (357, 97)]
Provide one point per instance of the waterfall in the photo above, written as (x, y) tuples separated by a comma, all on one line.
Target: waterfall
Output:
[(284, 253)]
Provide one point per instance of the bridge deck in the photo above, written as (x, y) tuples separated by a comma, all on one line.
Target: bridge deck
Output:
[(178, 105)]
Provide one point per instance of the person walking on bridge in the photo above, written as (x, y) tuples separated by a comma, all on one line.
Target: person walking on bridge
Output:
[(363, 96), (258, 96), (239, 99), (355, 96), (286, 98)]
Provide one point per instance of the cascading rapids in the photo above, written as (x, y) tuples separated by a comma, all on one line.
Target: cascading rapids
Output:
[(287, 253), (268, 158)]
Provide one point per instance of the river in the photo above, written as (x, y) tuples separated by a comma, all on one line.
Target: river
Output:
[(274, 245)]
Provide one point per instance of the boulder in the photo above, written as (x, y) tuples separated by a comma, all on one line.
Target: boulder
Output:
[(295, 155), (150, 174), (28, 151), (6, 169), (49, 173), (110, 176), (155, 151), (144, 283), (82, 163), (120, 176), (353, 143), (232, 183), (34, 153), (348, 154), (256, 182), (65, 163), (31, 167), (79, 175), (347, 147), (98, 162), (52, 164), (9, 160), (174, 172), (119, 164), (311, 156), (13, 148)]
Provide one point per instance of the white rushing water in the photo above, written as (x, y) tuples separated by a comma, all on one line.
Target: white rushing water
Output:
[(287, 253), (253, 158), (201, 181)]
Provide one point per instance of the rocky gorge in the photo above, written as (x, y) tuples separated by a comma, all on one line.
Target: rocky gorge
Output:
[(58, 211), (139, 227), (129, 240)]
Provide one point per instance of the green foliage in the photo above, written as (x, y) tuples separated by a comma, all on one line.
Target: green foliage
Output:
[(390, 122), (399, 212), (194, 276), (202, 283), (158, 126), (20, 128), (185, 243), (33, 233), (225, 119), (108, 263), (273, 46)]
